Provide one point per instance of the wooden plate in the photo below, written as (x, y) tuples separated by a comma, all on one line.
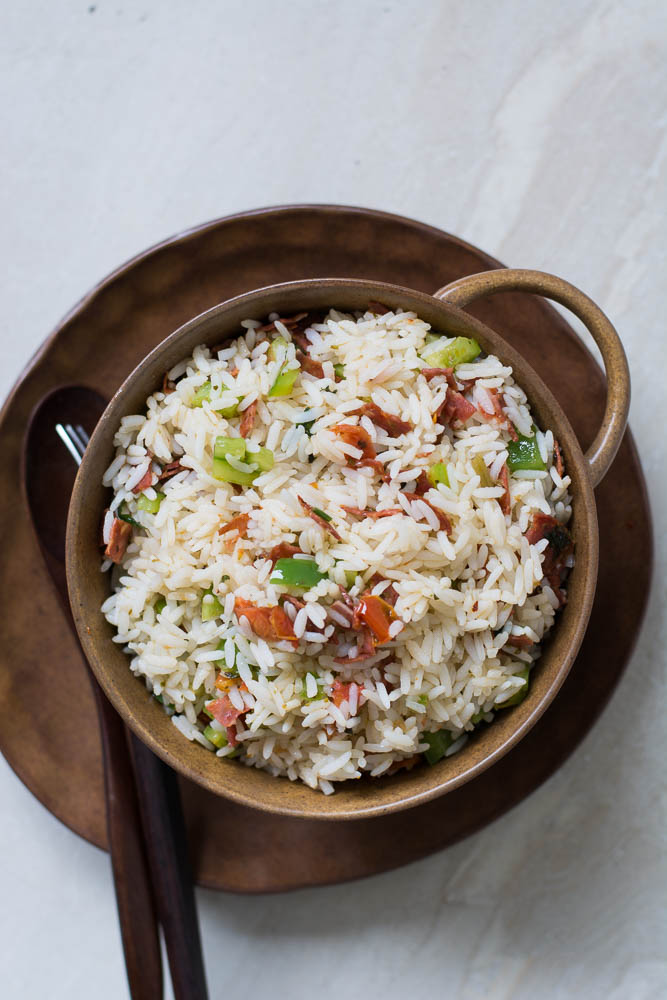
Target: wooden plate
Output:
[(56, 753)]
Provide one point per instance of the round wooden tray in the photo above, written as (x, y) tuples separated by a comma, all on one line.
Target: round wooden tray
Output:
[(98, 343)]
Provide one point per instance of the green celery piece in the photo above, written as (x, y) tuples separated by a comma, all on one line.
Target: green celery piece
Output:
[(438, 745), (272, 353), (456, 352), (320, 513), (149, 506), (284, 383), (339, 370), (524, 454), (479, 465), (210, 606), (214, 736), (438, 474), (226, 473), (236, 447), (201, 394), (300, 573), (518, 697), (160, 605), (304, 695)]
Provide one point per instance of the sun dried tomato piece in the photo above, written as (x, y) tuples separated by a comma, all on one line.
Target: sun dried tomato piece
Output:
[(119, 539), (248, 419), (238, 523), (357, 437), (377, 614), (387, 421), (454, 408)]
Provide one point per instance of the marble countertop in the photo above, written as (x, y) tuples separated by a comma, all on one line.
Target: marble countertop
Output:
[(534, 130)]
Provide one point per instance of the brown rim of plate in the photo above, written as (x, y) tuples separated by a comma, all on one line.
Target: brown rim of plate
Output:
[(250, 786)]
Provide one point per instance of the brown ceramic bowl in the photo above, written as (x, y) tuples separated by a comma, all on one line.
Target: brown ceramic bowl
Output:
[(444, 311)]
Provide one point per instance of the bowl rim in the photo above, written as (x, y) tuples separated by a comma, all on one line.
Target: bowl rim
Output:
[(258, 301)]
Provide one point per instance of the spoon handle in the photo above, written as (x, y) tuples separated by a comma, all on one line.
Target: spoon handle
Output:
[(134, 894), (135, 902), (164, 829)]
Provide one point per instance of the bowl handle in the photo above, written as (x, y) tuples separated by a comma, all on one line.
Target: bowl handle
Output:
[(465, 290)]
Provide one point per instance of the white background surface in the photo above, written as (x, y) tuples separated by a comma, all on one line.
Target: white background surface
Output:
[(534, 129)]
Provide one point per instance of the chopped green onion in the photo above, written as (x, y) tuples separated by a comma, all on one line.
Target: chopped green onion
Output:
[(438, 745), (524, 454), (149, 506), (160, 605), (430, 338), (236, 447), (216, 737), (201, 394), (277, 342), (452, 353), (519, 695), (479, 465), (232, 671), (264, 459), (438, 474), (210, 606), (204, 393), (423, 699), (477, 718), (350, 576), (208, 712), (304, 688), (223, 471), (285, 380), (302, 573), (284, 383), (339, 370), (320, 513), (230, 411), (124, 516), (222, 663), (307, 426)]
